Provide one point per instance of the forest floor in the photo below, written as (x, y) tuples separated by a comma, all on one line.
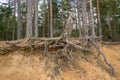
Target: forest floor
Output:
[(16, 65)]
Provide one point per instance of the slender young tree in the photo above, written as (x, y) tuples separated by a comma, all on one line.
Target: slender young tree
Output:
[(51, 20), (98, 19), (14, 8), (19, 28), (44, 17), (13, 32), (36, 18), (48, 35)]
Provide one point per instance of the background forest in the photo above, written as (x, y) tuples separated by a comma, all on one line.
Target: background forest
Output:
[(47, 18)]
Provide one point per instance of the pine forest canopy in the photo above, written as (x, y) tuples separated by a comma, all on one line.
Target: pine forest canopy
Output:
[(48, 18)]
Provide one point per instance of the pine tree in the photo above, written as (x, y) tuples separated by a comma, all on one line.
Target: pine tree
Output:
[(36, 18), (19, 28), (29, 19)]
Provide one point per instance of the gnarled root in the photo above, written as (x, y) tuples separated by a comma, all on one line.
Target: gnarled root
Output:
[(104, 57)]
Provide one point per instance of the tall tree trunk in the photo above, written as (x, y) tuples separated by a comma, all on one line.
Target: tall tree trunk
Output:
[(8, 23), (85, 27), (98, 19), (36, 18), (76, 21), (33, 18), (19, 28), (13, 32), (29, 19), (44, 18), (84, 13), (79, 17), (51, 20), (48, 35), (92, 19)]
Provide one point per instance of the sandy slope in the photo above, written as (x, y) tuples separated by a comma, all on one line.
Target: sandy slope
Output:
[(16, 66)]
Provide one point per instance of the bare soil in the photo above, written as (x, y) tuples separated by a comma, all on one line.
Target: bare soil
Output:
[(16, 66)]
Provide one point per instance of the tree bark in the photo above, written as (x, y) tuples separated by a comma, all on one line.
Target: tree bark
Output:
[(36, 18), (79, 17), (85, 27), (48, 34), (33, 18), (29, 19), (92, 19), (13, 33), (45, 25), (98, 19), (19, 28), (51, 20)]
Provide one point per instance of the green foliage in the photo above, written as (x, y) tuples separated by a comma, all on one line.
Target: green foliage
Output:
[(65, 6), (7, 21), (61, 9), (111, 7), (74, 33), (58, 8)]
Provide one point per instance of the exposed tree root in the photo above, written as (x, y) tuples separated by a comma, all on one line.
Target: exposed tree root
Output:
[(111, 43), (46, 48), (112, 72), (62, 54), (31, 43)]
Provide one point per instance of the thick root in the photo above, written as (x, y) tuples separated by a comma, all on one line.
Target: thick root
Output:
[(104, 57)]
